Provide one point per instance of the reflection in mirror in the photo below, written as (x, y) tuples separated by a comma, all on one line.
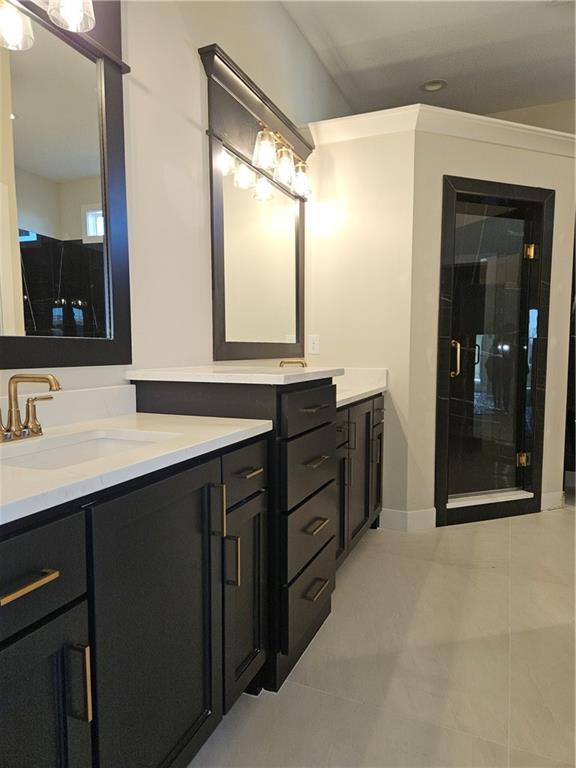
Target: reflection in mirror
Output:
[(260, 258), (53, 266)]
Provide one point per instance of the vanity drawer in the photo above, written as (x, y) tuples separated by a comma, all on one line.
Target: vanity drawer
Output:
[(40, 571), (307, 463), (305, 599), (306, 530), (342, 427), (245, 472), (306, 409), (378, 410)]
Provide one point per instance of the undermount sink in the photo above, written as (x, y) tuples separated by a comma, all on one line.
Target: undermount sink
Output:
[(67, 450)]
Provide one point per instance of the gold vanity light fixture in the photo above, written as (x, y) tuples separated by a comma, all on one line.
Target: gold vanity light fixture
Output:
[(244, 177), (284, 172), (72, 15), (263, 191), (301, 184), (264, 155), (15, 28)]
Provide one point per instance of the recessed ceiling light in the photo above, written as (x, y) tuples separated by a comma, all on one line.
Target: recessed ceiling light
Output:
[(431, 86)]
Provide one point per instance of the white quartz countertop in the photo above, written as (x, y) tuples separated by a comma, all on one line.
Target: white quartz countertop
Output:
[(24, 491), (348, 395), (235, 374), (359, 383)]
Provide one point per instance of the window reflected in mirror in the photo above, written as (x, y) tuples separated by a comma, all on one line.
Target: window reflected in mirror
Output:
[(260, 256), (53, 262)]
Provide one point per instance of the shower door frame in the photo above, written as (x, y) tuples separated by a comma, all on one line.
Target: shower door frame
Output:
[(543, 199)]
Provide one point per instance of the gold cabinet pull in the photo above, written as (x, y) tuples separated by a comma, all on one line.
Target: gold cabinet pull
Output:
[(237, 580), (86, 713), (317, 462), (46, 576), (313, 596), (301, 363), (456, 345), (314, 528), (248, 474)]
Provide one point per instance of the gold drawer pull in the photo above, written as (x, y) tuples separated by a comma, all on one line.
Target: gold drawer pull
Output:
[(47, 575), (86, 713), (317, 462), (313, 597), (314, 528), (248, 474), (315, 408)]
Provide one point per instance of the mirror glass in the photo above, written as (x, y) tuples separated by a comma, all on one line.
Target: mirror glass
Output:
[(260, 264), (53, 262)]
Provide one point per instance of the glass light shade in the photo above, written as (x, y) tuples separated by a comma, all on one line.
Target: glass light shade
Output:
[(244, 177), (15, 28), (264, 155), (227, 162), (264, 190), (285, 166), (73, 15), (301, 185)]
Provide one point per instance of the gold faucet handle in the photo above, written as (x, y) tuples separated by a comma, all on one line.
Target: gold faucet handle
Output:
[(31, 420)]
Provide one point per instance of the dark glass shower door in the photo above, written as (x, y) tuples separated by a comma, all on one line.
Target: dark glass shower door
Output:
[(492, 333)]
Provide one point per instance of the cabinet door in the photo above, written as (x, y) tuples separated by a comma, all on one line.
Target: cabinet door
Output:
[(342, 480), (245, 596), (377, 467), (359, 508), (45, 695), (157, 591)]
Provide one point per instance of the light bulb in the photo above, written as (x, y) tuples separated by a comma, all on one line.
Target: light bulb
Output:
[(244, 177), (301, 186), (15, 28), (264, 155), (264, 190), (285, 166), (73, 15), (227, 163)]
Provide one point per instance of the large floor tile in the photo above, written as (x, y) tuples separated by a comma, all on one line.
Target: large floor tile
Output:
[(542, 692), (542, 547), (520, 759), (304, 728)]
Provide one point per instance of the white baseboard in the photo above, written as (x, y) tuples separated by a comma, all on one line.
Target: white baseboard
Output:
[(404, 520), (552, 500)]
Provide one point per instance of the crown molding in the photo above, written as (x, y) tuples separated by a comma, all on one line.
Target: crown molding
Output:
[(448, 122)]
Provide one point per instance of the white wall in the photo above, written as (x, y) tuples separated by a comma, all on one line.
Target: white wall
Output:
[(166, 157), (373, 269), (72, 196), (38, 203), (558, 115)]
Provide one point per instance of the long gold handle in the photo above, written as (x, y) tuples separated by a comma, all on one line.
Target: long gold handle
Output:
[(314, 528), (456, 345), (47, 575), (237, 581), (314, 597), (221, 490), (84, 712), (317, 462), (248, 474)]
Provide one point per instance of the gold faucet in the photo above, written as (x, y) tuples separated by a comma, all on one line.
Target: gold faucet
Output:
[(15, 429)]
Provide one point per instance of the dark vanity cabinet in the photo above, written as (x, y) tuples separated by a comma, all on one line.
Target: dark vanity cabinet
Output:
[(133, 621), (360, 430)]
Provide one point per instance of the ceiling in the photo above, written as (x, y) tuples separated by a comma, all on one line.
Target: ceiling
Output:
[(495, 56), (55, 100)]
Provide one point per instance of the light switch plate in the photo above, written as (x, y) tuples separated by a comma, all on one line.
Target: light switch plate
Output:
[(313, 344)]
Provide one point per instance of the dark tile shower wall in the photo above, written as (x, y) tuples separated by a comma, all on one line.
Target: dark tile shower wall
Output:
[(64, 288)]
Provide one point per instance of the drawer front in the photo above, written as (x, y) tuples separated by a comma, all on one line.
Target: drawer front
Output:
[(305, 599), (245, 472), (306, 530), (308, 463), (304, 410), (342, 427), (378, 410), (40, 571)]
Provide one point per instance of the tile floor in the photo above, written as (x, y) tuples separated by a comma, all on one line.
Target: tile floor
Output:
[(452, 647)]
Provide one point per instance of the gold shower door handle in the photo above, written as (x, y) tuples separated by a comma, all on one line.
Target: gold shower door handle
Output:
[(456, 345)]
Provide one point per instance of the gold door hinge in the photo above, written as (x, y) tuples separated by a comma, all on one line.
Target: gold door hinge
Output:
[(523, 459), (529, 251)]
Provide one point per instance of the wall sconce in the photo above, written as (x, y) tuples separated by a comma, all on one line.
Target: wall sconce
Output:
[(15, 28), (285, 166), (273, 154), (264, 155), (73, 15), (301, 185)]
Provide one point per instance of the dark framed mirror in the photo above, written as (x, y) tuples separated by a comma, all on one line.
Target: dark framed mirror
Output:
[(64, 281), (257, 222)]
